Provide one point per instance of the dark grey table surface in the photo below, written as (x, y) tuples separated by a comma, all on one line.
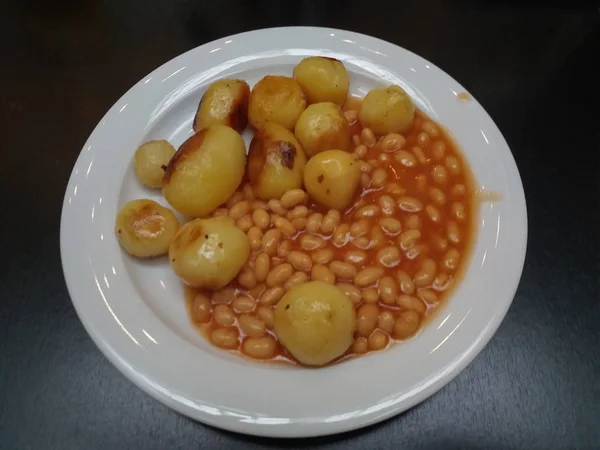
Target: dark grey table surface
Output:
[(534, 67)]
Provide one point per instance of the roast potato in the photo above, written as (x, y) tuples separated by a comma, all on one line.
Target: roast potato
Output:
[(208, 253), (323, 79), (205, 171), (387, 110), (322, 126), (315, 321), (276, 99), (331, 178), (150, 162), (145, 229), (275, 162), (225, 102)]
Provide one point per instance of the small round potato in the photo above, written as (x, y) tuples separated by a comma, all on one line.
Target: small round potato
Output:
[(205, 171), (225, 102), (321, 127), (151, 160), (208, 253), (145, 229), (275, 162), (276, 99), (387, 110), (323, 79), (331, 178), (315, 321)]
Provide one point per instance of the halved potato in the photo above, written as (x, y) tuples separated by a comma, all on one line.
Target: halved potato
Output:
[(205, 171), (387, 110), (321, 127), (323, 79), (276, 99), (225, 102), (151, 160), (145, 229), (275, 162)]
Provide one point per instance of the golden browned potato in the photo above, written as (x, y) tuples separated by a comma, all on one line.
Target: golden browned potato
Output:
[(315, 321), (322, 126), (331, 178), (225, 102), (145, 229), (275, 162), (151, 160), (205, 171), (387, 110), (276, 99), (208, 253), (323, 79)]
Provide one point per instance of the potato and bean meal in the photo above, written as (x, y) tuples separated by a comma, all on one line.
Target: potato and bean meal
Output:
[(339, 232)]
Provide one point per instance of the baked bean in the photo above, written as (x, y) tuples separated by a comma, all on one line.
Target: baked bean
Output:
[(267, 315), (451, 259), (297, 278), (201, 308), (387, 205), (351, 115), (439, 174), (365, 167), (360, 346), (437, 196), (355, 257), (439, 243), (390, 225), (384, 157), (362, 242), (377, 237), (224, 316), (279, 274), (433, 213), (385, 321), (340, 235), (223, 296), (225, 337), (359, 228), (235, 198), (297, 212), (378, 177), (239, 210), (368, 276), (356, 140), (275, 206), (458, 211), (395, 189), (378, 340), (423, 139), (257, 291), (322, 256), (220, 212), (251, 326), (365, 180), (245, 223), (373, 162), (329, 223), (405, 158), (311, 242), (285, 226), (408, 238), (421, 182), (392, 142), (243, 304), (407, 323), (453, 165), (388, 256), (300, 260), (410, 204), (367, 211), (360, 152), (343, 270), (428, 296), (272, 295), (259, 204), (255, 237), (426, 274), (299, 223), (438, 150), (293, 198), (410, 303), (458, 190), (284, 249), (366, 319), (430, 128), (247, 279), (405, 281), (248, 192), (314, 222), (351, 291), (260, 347), (453, 232), (388, 290), (418, 152), (261, 218), (262, 265), (322, 273), (441, 282), (368, 137), (371, 295), (414, 251)]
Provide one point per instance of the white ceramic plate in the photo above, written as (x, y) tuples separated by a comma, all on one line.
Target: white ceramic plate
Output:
[(135, 310)]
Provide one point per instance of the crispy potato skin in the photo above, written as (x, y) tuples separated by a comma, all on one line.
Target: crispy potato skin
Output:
[(276, 99), (323, 79), (322, 126), (275, 162), (225, 102), (387, 110), (145, 229)]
